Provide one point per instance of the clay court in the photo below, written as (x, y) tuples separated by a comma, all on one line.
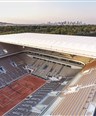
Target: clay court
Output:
[(17, 91)]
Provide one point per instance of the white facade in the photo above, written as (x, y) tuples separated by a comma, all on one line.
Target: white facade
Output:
[(78, 45)]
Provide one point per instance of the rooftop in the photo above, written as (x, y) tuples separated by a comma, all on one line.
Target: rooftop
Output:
[(78, 45)]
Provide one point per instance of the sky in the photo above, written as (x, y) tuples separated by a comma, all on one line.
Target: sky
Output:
[(43, 12)]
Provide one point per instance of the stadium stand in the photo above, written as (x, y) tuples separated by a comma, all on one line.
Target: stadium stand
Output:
[(9, 49), (30, 83), (84, 88)]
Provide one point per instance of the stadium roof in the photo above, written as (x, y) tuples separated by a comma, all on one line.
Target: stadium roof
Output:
[(78, 45)]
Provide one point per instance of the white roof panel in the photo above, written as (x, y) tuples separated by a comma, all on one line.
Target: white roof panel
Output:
[(79, 45)]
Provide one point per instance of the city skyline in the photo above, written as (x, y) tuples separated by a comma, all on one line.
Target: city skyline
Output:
[(43, 12)]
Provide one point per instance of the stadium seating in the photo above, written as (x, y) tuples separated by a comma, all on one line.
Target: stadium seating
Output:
[(33, 90)]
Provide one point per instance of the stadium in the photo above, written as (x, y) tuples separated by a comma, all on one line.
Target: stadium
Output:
[(47, 75)]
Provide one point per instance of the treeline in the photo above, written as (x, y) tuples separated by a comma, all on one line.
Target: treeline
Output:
[(85, 30)]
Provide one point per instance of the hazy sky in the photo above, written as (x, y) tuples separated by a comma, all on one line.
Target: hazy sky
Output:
[(42, 12)]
